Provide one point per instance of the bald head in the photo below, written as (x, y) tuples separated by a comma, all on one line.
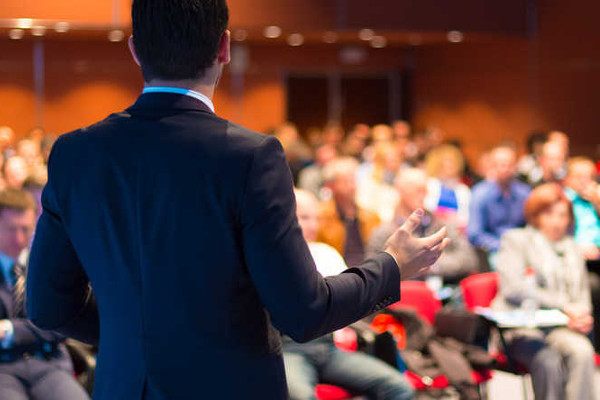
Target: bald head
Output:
[(411, 184), (307, 212), (553, 158)]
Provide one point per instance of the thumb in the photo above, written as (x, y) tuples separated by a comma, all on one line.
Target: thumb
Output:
[(413, 221)]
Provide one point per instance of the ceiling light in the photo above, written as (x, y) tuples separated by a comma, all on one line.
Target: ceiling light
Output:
[(116, 35), (38, 30), (24, 23), (295, 39), (272, 32), (16, 34), (378, 42), (62, 27), (330, 37), (366, 34), (455, 36), (239, 35)]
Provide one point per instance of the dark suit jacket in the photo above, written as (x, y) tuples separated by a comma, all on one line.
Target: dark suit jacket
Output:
[(27, 337), (184, 225)]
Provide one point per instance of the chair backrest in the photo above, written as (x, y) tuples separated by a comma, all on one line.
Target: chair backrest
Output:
[(479, 290), (418, 296)]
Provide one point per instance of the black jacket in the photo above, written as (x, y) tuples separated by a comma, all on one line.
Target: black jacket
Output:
[(184, 225)]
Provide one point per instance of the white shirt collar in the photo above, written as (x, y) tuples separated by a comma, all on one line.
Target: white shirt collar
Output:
[(187, 92)]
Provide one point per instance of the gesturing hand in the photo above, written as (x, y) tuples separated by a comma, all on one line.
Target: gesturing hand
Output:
[(414, 255)]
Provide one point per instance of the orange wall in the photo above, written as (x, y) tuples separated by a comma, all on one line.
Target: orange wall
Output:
[(480, 92), (501, 90)]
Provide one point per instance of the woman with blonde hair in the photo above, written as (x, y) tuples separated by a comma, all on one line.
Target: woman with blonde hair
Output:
[(448, 198)]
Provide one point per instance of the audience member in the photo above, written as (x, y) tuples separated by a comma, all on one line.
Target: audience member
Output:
[(16, 172), (497, 205), (529, 165), (344, 225), (297, 153), (459, 259), (311, 177), (447, 196), (552, 164), (584, 192), (7, 136), (355, 142), (560, 360), (319, 360), (375, 191), (34, 364)]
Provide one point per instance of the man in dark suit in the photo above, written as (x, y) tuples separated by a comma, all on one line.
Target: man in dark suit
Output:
[(184, 225), (34, 364)]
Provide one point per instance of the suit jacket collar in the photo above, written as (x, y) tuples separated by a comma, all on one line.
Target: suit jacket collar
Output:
[(166, 103)]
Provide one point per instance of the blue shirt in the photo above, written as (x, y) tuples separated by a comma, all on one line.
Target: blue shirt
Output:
[(587, 221), (7, 268), (493, 212)]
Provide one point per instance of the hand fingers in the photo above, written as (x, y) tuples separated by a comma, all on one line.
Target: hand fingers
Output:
[(413, 221), (435, 239), (440, 247)]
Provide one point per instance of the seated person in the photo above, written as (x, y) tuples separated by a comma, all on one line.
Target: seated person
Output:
[(459, 259), (584, 192), (560, 360), (497, 205), (319, 360), (34, 364), (447, 197), (344, 225)]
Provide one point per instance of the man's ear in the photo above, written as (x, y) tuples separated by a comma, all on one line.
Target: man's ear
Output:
[(133, 52), (224, 54)]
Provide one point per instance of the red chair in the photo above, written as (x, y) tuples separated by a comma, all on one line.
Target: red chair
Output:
[(330, 392), (479, 290), (418, 296)]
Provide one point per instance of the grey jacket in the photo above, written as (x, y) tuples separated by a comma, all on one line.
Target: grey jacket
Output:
[(560, 270), (459, 259)]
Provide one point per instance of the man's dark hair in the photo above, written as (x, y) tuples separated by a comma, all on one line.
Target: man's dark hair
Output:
[(177, 39), (14, 199)]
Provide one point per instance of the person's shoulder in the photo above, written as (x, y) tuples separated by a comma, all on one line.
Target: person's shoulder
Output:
[(517, 235), (482, 189), (86, 133), (244, 141), (521, 187)]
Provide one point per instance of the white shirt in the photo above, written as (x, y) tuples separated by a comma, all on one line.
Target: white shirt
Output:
[(329, 262), (186, 92)]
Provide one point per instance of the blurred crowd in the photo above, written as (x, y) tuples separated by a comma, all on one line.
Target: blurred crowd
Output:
[(518, 213)]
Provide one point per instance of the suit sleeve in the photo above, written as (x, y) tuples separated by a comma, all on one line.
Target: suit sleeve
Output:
[(301, 303), (58, 295)]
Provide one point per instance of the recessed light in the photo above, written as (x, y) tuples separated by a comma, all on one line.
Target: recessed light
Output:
[(272, 32), (62, 27), (455, 36), (16, 34), (330, 37), (38, 30), (116, 35), (295, 39), (24, 23), (378, 42), (239, 35), (366, 34)]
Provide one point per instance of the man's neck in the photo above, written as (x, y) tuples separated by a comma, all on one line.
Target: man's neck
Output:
[(202, 87)]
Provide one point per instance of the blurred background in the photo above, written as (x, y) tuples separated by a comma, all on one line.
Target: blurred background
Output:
[(481, 71)]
